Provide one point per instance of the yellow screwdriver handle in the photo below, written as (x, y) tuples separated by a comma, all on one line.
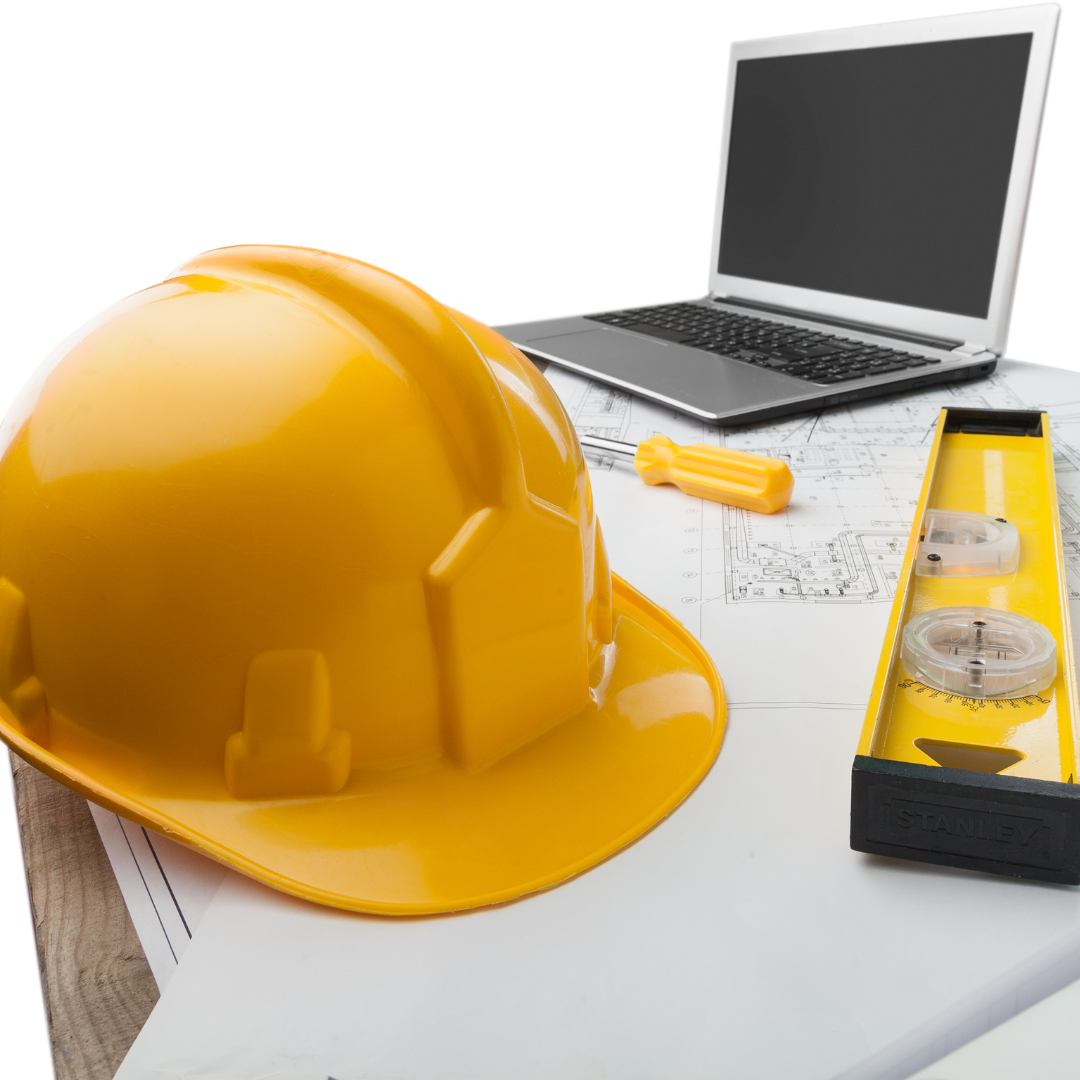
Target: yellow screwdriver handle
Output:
[(734, 477)]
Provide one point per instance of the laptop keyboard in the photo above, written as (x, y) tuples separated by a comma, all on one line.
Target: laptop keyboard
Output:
[(806, 354)]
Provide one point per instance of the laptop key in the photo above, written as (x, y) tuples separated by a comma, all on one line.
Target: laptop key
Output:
[(812, 351), (658, 331)]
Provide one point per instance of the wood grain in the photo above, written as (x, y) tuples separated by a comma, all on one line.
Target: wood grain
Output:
[(99, 989)]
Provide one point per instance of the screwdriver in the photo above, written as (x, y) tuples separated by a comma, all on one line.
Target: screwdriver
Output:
[(751, 481)]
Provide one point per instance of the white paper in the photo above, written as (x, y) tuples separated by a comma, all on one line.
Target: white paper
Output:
[(742, 937)]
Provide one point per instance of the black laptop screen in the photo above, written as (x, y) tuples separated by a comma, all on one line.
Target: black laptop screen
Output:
[(877, 173)]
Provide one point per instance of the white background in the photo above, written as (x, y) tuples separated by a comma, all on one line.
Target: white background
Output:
[(517, 161)]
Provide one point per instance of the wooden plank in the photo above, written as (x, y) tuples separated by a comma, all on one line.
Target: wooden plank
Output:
[(99, 989)]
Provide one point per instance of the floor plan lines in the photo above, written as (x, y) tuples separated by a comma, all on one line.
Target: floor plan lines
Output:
[(852, 566), (1067, 471), (604, 412), (858, 471), (841, 540)]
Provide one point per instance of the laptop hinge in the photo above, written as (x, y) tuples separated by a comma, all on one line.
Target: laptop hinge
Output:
[(972, 350)]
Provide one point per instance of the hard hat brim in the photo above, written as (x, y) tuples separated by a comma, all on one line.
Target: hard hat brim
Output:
[(436, 838)]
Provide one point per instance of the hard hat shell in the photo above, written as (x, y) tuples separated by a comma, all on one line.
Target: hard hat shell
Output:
[(300, 567)]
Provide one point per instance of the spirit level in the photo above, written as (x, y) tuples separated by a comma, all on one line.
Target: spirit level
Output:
[(968, 756)]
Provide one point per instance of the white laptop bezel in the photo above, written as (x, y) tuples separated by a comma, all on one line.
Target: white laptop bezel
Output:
[(991, 332)]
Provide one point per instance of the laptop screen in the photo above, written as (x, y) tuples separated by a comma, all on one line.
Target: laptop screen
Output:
[(876, 173)]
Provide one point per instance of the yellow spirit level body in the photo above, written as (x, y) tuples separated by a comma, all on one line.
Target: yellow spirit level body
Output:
[(984, 782)]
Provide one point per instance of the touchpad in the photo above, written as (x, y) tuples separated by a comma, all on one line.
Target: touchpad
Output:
[(589, 346), (701, 380)]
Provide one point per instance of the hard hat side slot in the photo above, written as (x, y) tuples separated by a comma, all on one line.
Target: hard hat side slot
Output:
[(287, 746), (508, 622), (20, 688)]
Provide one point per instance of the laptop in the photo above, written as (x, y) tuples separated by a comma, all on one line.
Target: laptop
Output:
[(873, 188)]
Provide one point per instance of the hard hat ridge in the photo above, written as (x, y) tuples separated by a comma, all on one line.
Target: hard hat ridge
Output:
[(507, 671)]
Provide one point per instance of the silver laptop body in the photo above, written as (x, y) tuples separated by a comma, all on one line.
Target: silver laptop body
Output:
[(873, 188)]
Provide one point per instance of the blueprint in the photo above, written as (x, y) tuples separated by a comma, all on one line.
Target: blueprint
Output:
[(839, 544), (793, 610), (1067, 471)]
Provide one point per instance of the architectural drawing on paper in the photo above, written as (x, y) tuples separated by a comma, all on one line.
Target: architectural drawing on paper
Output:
[(843, 537), (603, 412), (1067, 471), (858, 470), (854, 565)]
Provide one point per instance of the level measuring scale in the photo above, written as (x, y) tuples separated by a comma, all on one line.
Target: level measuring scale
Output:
[(968, 756)]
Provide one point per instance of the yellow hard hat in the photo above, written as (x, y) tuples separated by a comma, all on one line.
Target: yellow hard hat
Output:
[(300, 567)]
